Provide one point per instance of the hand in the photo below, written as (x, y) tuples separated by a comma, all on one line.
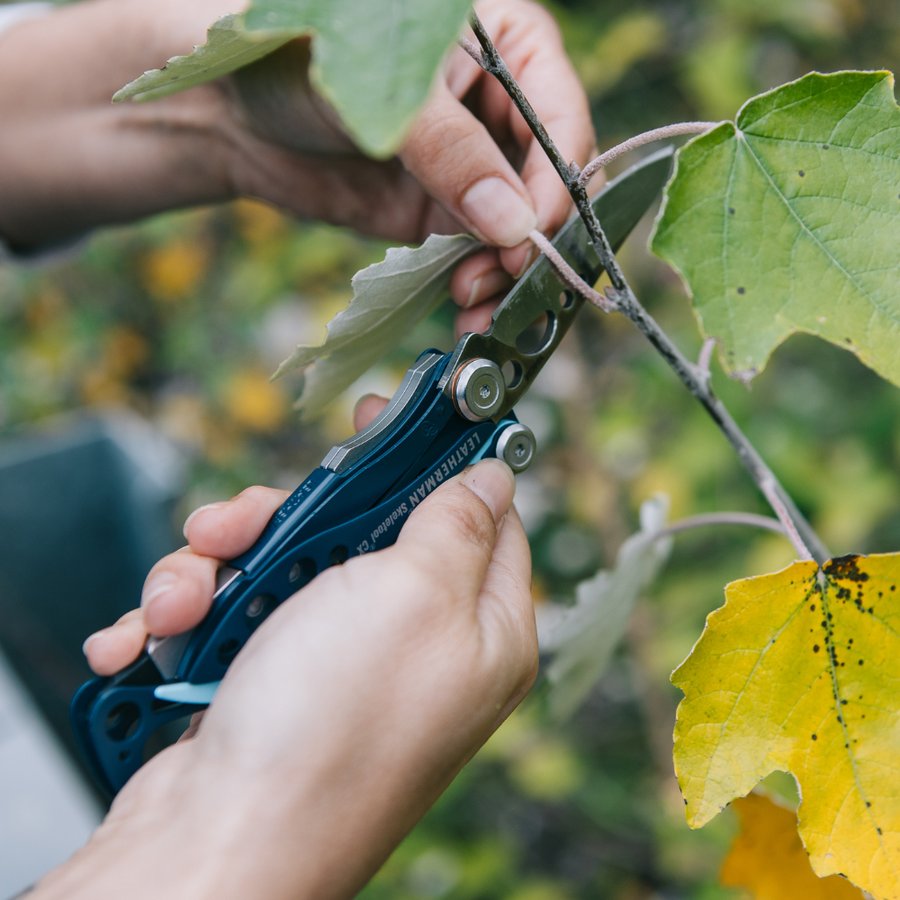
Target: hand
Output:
[(178, 589), (474, 167), (118, 163), (347, 713)]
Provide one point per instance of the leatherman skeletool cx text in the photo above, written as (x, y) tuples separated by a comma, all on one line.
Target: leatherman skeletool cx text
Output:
[(450, 411)]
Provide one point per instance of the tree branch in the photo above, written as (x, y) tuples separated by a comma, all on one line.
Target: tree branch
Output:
[(628, 304)]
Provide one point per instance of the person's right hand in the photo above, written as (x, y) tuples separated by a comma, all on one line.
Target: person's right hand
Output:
[(344, 717)]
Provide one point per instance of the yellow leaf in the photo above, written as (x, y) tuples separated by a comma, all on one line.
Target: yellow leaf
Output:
[(768, 858), (254, 402), (799, 671)]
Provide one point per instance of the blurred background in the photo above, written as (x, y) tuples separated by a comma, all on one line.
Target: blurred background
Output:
[(134, 387)]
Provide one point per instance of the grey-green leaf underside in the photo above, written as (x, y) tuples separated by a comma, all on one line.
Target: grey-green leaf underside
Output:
[(583, 637), (389, 299), (789, 220), (229, 46), (374, 61)]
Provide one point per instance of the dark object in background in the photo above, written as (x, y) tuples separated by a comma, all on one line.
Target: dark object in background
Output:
[(85, 511)]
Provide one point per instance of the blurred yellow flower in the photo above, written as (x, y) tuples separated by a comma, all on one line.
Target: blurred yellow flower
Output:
[(99, 387), (259, 222), (174, 270), (45, 308), (124, 352), (254, 402)]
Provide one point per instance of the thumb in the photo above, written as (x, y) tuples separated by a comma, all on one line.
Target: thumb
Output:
[(452, 533)]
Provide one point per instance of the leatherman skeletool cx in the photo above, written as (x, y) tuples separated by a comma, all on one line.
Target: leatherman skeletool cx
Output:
[(450, 410)]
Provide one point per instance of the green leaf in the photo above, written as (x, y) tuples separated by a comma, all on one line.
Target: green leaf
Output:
[(228, 46), (790, 221), (373, 61), (798, 672), (389, 299), (584, 636)]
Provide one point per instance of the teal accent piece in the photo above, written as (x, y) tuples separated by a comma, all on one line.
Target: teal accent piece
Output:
[(185, 692)]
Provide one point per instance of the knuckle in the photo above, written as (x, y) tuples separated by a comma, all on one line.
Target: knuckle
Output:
[(470, 520), (258, 495)]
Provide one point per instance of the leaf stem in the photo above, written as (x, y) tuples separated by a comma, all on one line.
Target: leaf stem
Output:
[(807, 541), (656, 134), (723, 518), (705, 358), (568, 274)]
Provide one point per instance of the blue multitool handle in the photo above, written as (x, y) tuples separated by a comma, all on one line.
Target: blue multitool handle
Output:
[(356, 502)]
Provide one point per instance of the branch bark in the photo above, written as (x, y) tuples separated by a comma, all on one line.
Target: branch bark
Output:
[(627, 303)]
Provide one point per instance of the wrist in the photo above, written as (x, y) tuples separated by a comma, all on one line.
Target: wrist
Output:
[(181, 828)]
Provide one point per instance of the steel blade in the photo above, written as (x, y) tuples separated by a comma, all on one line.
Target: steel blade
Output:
[(541, 297)]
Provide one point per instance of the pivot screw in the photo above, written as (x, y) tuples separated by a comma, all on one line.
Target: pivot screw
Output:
[(516, 446), (256, 606), (479, 390)]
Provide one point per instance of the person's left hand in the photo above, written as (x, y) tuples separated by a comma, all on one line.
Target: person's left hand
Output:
[(70, 160), (470, 162)]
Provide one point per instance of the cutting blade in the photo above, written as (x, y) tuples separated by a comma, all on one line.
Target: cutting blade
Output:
[(530, 323)]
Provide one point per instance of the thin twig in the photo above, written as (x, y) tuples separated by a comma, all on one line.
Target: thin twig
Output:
[(569, 275), (724, 518), (472, 50), (630, 306), (768, 488), (656, 134)]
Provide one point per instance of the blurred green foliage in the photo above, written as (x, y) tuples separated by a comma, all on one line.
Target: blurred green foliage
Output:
[(183, 318)]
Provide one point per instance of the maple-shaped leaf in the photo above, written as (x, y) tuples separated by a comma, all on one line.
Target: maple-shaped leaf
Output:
[(768, 857), (374, 62), (788, 220), (799, 671)]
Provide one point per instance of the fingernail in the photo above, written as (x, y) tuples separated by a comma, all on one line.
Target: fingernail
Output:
[(486, 285), (529, 259), (91, 638), (362, 400), (473, 294), (493, 481), (156, 586), (497, 211), (200, 509)]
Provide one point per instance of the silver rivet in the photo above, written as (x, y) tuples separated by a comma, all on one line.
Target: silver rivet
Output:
[(479, 390), (516, 447), (255, 606)]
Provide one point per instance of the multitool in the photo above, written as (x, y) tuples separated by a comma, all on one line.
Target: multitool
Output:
[(451, 410)]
